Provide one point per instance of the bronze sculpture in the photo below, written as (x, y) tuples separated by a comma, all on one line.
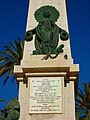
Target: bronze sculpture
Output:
[(47, 32)]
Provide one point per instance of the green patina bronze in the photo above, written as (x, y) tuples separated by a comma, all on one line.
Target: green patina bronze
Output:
[(47, 33)]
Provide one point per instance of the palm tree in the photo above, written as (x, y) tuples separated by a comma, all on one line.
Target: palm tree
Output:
[(11, 56), (83, 103), (11, 111)]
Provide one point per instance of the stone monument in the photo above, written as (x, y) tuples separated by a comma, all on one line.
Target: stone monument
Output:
[(47, 76)]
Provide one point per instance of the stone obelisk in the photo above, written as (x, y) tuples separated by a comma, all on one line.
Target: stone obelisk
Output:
[(47, 85)]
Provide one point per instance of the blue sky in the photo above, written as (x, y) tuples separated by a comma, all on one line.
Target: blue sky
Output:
[(13, 16)]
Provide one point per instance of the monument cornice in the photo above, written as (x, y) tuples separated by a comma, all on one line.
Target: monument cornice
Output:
[(47, 68)]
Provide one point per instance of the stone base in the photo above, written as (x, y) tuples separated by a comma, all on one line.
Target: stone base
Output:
[(68, 105), (33, 66)]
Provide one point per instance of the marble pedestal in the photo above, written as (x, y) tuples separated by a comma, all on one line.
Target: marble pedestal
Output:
[(33, 67)]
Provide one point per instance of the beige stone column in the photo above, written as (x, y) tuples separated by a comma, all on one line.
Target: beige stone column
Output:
[(32, 66)]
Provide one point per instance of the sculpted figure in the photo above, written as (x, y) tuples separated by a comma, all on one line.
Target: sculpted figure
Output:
[(47, 32)]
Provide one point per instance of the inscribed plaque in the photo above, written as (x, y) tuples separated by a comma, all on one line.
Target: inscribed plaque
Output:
[(45, 95)]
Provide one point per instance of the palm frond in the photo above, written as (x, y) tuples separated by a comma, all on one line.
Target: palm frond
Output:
[(82, 104), (10, 72), (11, 56), (11, 111), (85, 87), (2, 52), (19, 47), (11, 51), (7, 63), (4, 59), (22, 44), (80, 100), (13, 79), (81, 94), (13, 45), (5, 80), (4, 71), (80, 91)]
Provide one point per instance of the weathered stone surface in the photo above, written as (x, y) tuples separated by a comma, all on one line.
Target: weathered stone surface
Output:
[(33, 66)]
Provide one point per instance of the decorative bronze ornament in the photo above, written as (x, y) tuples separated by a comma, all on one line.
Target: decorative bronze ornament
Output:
[(47, 32)]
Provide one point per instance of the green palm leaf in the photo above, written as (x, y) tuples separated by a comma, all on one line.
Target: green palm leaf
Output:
[(2, 59), (11, 56), (83, 103), (85, 87), (80, 93), (13, 46), (4, 71), (13, 79), (11, 111), (10, 72), (3, 66), (5, 80), (6, 55), (20, 47), (11, 51)]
